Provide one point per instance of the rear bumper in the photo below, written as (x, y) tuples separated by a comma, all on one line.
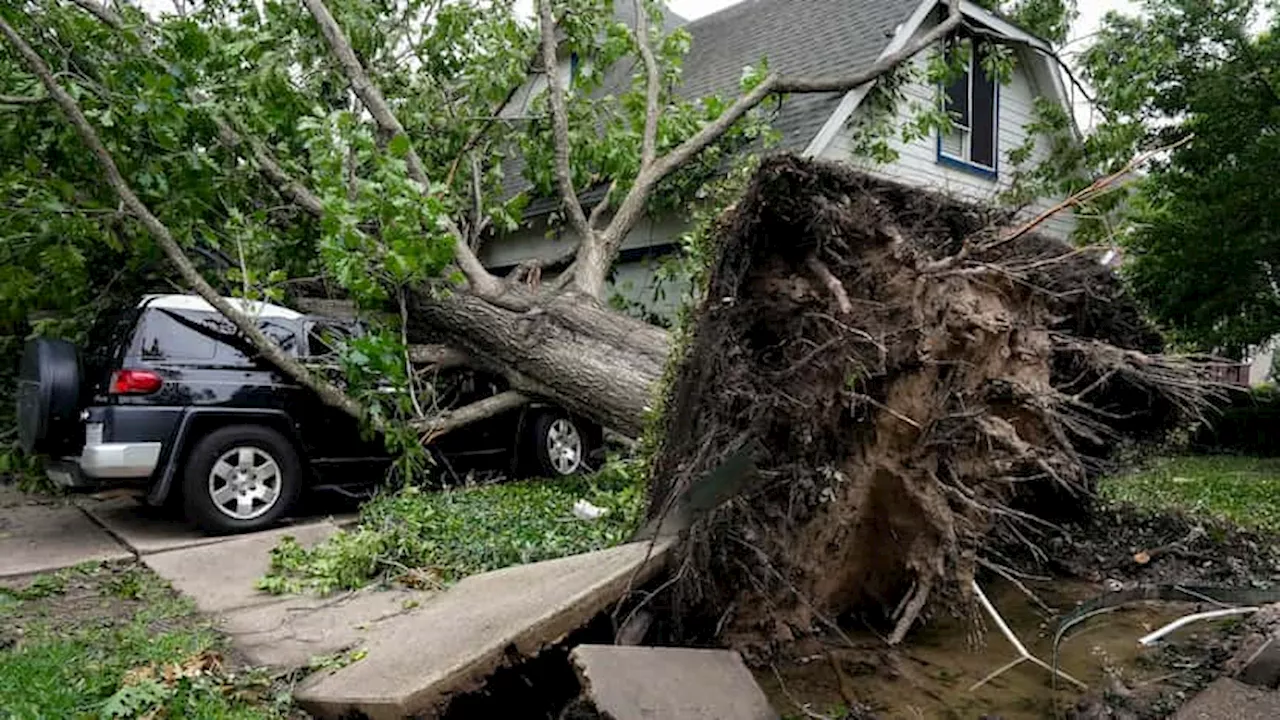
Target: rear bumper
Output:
[(100, 464), (120, 460)]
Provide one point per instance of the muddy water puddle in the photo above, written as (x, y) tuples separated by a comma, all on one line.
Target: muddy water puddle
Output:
[(931, 675)]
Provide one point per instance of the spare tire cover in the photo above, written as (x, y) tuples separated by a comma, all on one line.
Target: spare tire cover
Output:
[(48, 395)]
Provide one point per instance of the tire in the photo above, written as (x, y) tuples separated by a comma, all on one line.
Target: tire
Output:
[(48, 396), (556, 445), (227, 458)]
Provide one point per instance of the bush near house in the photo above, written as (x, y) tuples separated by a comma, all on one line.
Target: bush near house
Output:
[(1249, 425)]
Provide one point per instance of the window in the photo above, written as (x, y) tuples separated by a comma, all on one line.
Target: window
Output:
[(169, 335), (972, 101)]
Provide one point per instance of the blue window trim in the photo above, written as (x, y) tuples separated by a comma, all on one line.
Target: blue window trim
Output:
[(990, 173)]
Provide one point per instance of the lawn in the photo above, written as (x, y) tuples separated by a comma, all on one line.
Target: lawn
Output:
[(113, 641), (1241, 490)]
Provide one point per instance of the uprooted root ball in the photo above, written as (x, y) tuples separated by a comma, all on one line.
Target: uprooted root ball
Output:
[(910, 387)]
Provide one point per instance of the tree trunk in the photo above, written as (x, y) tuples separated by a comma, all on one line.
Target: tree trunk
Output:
[(594, 361)]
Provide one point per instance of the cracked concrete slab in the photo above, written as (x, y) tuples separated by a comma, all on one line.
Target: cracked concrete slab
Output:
[(638, 683), (221, 576), (41, 538), (147, 530), (296, 630), (144, 529), (416, 662)]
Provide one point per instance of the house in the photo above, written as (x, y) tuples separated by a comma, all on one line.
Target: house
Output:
[(827, 37)]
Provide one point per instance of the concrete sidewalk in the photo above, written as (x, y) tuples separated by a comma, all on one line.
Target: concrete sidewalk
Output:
[(416, 662)]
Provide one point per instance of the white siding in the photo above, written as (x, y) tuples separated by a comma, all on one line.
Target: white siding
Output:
[(917, 162)]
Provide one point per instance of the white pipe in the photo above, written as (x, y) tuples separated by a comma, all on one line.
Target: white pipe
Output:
[(1023, 654), (1000, 623), (1187, 620)]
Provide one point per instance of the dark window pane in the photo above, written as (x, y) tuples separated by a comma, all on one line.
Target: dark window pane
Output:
[(167, 335), (983, 143), (958, 100)]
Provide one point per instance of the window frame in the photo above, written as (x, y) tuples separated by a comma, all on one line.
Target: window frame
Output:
[(966, 163)]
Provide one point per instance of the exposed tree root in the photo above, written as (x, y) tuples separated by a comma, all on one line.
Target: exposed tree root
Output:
[(902, 411)]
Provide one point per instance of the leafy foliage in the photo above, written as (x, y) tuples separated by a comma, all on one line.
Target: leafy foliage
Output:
[(418, 537), (1203, 245)]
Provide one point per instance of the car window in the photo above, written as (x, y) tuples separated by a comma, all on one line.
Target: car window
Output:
[(203, 336), (164, 336)]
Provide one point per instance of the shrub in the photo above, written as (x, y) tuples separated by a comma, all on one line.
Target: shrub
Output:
[(1249, 425)]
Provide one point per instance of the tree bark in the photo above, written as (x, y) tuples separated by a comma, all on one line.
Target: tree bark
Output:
[(592, 360)]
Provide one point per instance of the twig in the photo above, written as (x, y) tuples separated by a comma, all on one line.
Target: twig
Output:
[(1023, 654), (22, 99), (1079, 198)]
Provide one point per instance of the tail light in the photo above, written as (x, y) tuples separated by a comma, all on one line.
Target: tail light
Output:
[(135, 382)]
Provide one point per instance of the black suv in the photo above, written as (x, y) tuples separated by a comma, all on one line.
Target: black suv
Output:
[(171, 397)]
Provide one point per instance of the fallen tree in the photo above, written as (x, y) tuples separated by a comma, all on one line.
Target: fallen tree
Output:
[(913, 380)]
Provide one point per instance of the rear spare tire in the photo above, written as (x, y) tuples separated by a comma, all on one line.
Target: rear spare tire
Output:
[(48, 396), (240, 478)]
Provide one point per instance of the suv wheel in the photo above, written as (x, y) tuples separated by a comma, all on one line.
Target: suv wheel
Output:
[(240, 478), (557, 445)]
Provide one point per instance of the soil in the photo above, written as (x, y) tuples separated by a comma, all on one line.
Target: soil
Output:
[(931, 675), (910, 385)]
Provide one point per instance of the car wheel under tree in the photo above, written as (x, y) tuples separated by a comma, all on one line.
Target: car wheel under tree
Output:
[(240, 478), (558, 445)]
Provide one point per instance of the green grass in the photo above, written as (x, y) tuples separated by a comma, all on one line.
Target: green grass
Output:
[(421, 537), (108, 642), (1244, 491)]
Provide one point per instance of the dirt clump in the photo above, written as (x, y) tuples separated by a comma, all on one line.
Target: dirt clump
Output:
[(911, 382)]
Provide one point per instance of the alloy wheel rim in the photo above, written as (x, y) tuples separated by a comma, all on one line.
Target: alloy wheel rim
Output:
[(564, 446), (245, 483)]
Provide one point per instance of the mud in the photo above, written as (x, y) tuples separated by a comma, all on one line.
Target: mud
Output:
[(930, 675)]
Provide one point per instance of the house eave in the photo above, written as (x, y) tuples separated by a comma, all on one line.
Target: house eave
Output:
[(1041, 50)]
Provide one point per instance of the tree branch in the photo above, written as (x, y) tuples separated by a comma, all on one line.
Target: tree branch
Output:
[(102, 12), (21, 100), (560, 126), (270, 169), (451, 420), (483, 283), (329, 393), (593, 266), (648, 142)]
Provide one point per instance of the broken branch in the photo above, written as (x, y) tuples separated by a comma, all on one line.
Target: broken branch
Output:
[(451, 420)]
